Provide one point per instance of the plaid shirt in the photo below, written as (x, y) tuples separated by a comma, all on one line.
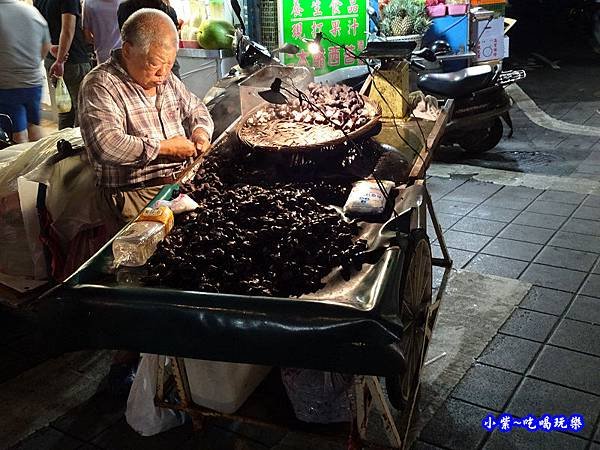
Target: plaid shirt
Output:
[(122, 128)]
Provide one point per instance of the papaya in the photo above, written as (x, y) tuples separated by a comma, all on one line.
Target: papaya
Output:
[(216, 34)]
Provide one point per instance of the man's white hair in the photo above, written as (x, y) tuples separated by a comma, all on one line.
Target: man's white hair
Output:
[(146, 26)]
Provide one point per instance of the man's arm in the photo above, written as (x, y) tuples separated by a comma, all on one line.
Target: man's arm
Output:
[(195, 117), (45, 49), (67, 32), (46, 44), (102, 121)]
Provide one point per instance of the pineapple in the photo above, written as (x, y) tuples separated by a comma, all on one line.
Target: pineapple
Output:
[(422, 24), (404, 17), (396, 26), (406, 27)]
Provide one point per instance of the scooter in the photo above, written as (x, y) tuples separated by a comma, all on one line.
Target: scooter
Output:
[(481, 101)]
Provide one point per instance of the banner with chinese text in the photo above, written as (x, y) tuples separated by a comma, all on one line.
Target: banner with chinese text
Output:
[(343, 21)]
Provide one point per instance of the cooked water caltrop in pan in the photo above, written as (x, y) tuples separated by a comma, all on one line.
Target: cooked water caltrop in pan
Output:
[(277, 240), (336, 103)]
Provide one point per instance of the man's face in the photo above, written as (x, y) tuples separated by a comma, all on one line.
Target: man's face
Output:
[(152, 69)]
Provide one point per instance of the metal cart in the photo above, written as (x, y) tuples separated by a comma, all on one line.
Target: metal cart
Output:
[(385, 334)]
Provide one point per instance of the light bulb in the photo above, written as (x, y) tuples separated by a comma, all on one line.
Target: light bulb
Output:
[(314, 48)]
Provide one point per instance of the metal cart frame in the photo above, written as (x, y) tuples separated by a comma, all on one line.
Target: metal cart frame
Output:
[(85, 313), (368, 391)]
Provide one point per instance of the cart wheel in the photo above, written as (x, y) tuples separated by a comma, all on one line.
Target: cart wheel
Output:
[(415, 294)]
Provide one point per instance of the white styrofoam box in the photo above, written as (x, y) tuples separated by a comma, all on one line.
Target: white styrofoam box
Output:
[(489, 38), (223, 386), (506, 47)]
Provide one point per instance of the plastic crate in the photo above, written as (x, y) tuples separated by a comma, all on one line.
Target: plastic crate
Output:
[(457, 9), (452, 29)]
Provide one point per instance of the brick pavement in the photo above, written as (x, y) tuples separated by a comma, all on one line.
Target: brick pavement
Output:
[(546, 357), (534, 149)]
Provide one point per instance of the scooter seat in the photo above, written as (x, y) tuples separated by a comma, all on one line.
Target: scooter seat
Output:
[(456, 84)]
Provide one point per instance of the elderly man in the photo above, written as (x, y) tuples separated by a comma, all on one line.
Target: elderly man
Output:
[(139, 123)]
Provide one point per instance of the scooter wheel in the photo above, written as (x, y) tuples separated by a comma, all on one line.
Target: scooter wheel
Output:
[(479, 141)]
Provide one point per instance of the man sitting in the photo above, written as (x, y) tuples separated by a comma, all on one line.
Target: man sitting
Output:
[(140, 124)]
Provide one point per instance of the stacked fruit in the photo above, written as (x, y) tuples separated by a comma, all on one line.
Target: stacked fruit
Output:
[(405, 17)]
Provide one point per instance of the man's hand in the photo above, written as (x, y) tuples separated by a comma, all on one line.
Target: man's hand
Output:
[(178, 147), (57, 69), (54, 50), (201, 140)]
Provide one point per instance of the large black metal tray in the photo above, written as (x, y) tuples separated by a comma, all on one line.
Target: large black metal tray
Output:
[(351, 327)]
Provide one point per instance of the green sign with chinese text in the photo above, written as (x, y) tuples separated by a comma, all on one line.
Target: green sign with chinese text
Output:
[(343, 21)]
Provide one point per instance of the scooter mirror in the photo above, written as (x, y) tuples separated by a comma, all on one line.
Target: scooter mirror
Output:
[(374, 18), (250, 53), (440, 47), (288, 48), (235, 6)]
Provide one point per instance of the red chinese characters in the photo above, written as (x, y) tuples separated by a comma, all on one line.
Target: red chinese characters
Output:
[(335, 29), (335, 7)]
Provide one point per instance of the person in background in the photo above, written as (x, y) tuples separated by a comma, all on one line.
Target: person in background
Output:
[(128, 7), (140, 126), (100, 26), (25, 42), (68, 55)]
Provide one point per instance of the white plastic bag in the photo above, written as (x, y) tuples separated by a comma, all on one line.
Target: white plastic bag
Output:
[(181, 204), (317, 396), (46, 100), (141, 414), (62, 97)]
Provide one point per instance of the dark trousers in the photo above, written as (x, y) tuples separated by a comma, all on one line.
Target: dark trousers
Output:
[(74, 73)]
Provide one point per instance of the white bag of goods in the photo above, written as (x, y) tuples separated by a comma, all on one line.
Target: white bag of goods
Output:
[(223, 386), (141, 413), (22, 253)]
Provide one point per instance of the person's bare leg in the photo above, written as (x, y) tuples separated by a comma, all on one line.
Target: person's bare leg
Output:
[(35, 132), (20, 136)]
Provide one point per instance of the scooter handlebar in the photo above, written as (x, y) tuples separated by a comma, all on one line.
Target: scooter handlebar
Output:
[(417, 65)]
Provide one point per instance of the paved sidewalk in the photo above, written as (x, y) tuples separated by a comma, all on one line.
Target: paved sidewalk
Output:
[(534, 149), (546, 357)]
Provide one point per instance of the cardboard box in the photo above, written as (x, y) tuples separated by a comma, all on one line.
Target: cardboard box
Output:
[(488, 39), (394, 105)]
